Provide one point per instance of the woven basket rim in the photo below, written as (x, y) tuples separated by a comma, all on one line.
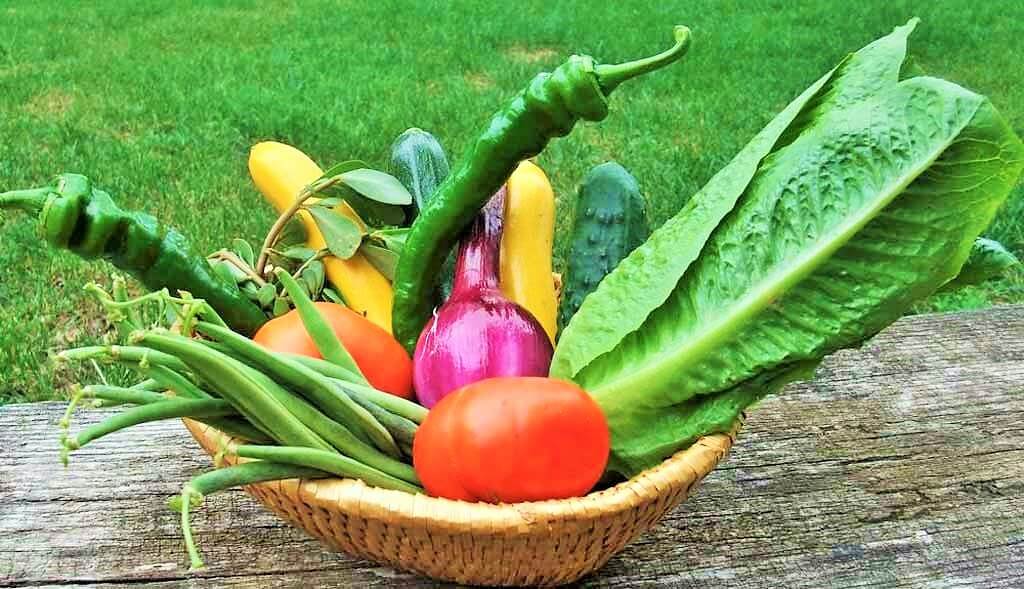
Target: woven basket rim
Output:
[(685, 468)]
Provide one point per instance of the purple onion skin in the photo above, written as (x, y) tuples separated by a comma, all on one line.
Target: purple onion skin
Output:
[(478, 333)]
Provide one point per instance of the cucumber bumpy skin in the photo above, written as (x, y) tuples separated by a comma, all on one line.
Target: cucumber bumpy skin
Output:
[(611, 221)]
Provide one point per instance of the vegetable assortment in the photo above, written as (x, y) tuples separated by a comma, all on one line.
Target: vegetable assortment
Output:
[(865, 194)]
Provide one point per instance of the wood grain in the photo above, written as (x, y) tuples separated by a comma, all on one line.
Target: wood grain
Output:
[(902, 465)]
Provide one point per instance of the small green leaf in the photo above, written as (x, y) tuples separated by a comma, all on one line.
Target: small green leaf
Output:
[(313, 276), (378, 186), (281, 306), (332, 295), (383, 259), (250, 289), (342, 167), (374, 213), (342, 234), (244, 251), (393, 239), (294, 234), (266, 295), (299, 253)]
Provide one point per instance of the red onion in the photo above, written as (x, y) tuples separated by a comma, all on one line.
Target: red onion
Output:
[(478, 333)]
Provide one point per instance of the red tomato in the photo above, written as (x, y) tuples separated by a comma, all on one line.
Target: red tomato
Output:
[(512, 439), (432, 456), (382, 359)]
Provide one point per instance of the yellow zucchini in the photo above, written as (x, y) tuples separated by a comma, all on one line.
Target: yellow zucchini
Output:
[(280, 172), (526, 242)]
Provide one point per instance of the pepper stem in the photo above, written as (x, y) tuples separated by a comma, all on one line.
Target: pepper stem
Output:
[(30, 201), (610, 76)]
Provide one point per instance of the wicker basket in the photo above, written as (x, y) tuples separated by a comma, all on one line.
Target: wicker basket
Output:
[(541, 543)]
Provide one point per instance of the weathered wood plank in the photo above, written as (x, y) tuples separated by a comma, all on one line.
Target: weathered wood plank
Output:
[(901, 466)]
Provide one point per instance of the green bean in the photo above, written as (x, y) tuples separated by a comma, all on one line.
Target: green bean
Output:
[(254, 371), (134, 354), (239, 428), (333, 432), (327, 369), (393, 403), (122, 395), (208, 483), (128, 320), (320, 390), (148, 385), (319, 330), (402, 429), (414, 412), (406, 448), (215, 345), (65, 421), (328, 462), (169, 409), (112, 396), (251, 400), (174, 381), (162, 371)]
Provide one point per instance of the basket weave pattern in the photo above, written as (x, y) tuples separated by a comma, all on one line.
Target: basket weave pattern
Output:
[(539, 543)]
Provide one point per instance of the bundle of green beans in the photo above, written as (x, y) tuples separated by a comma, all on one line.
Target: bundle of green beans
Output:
[(300, 417)]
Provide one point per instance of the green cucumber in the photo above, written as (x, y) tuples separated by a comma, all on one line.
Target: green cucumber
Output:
[(611, 221), (419, 163)]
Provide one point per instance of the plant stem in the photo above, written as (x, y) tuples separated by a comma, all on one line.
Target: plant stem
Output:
[(319, 255), (279, 225), (233, 259), (610, 76)]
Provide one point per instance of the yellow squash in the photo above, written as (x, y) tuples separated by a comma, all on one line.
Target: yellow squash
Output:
[(526, 242), (280, 172)]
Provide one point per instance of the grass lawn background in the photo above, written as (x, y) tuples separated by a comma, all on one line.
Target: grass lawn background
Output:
[(159, 104)]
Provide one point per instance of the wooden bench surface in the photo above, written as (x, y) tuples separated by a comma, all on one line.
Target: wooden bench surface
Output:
[(901, 466)]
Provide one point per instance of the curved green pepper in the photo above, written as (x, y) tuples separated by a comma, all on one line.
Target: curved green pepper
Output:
[(549, 107), (75, 216)]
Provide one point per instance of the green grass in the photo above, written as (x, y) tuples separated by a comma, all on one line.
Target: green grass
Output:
[(159, 104)]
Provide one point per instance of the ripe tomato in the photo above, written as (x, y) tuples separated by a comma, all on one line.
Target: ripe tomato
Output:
[(432, 455), (382, 359), (512, 439)]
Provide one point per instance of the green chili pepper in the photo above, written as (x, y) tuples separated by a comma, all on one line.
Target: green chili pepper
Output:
[(75, 216), (547, 108)]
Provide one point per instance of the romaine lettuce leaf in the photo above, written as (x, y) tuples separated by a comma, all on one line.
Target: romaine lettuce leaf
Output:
[(870, 200), (616, 308)]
